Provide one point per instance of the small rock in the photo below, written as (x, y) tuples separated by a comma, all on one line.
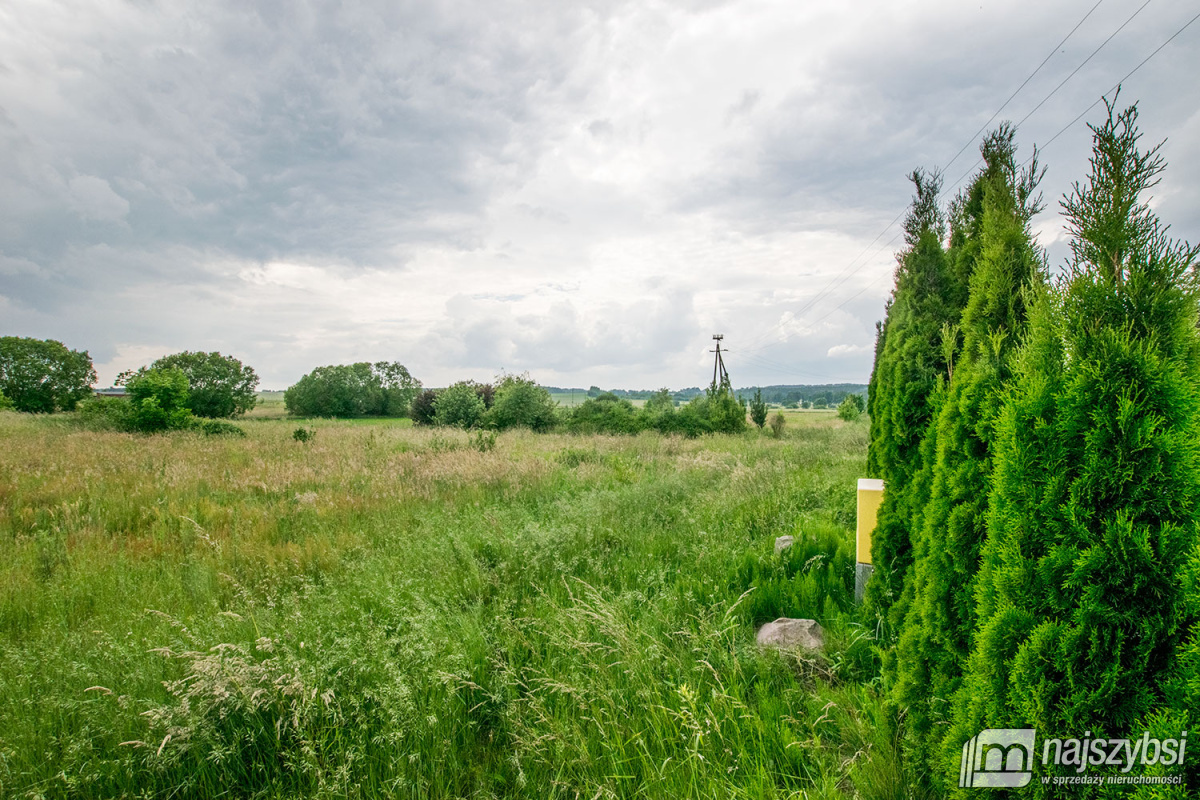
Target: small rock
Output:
[(786, 633), (783, 543)]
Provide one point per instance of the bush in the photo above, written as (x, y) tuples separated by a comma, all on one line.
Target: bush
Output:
[(353, 390), (459, 406), (521, 403), (217, 427), (5, 403), (105, 414), (422, 410), (777, 423), (605, 413), (43, 376), (484, 441), (219, 386), (158, 401), (304, 434), (849, 409)]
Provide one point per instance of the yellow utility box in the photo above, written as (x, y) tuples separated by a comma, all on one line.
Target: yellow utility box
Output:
[(870, 495)]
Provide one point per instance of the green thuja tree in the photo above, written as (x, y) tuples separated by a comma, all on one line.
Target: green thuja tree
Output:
[(909, 364), (934, 638), (1081, 602)]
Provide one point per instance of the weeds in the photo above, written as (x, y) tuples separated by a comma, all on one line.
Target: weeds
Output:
[(406, 612)]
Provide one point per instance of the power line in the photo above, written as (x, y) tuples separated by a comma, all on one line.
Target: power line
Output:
[(1117, 85), (1024, 83), (1054, 91), (1061, 131), (847, 272)]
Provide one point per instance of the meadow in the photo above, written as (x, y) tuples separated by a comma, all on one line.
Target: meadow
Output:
[(387, 611)]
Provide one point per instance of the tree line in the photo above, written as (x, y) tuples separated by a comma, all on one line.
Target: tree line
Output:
[(1036, 551), (197, 390)]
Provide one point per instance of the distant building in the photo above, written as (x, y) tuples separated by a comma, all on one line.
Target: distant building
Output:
[(112, 391)]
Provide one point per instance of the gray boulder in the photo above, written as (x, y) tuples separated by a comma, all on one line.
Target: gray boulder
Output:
[(787, 634), (783, 543)]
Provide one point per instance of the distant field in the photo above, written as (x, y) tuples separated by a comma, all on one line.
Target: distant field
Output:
[(387, 611)]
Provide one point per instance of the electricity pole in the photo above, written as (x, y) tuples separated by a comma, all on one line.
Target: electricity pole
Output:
[(718, 364)]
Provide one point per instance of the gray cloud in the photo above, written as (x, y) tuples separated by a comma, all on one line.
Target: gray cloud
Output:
[(585, 192)]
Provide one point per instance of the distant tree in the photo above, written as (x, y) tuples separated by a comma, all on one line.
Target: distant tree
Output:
[(422, 409), (459, 406), (777, 423), (848, 409), (159, 400), (345, 390), (758, 409), (858, 401), (218, 385), (1083, 595), (487, 393), (397, 386), (42, 375), (521, 403), (594, 391), (660, 401), (353, 390)]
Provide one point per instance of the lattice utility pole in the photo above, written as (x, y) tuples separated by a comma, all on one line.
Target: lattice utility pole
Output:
[(718, 364)]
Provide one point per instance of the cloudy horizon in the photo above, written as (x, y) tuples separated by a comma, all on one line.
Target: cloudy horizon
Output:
[(583, 192)]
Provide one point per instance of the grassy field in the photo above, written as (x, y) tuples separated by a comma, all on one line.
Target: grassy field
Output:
[(395, 612)]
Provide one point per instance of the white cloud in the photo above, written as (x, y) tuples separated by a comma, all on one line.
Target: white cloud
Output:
[(584, 192)]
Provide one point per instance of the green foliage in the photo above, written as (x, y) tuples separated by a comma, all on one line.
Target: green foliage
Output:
[(304, 435), (778, 421), (397, 388), (159, 401), (459, 406), (219, 427), (219, 386), (909, 366), (522, 403), (353, 390), (722, 409), (607, 413), (105, 414), (849, 410), (5, 403), (484, 441), (934, 640), (1082, 601), (43, 376), (758, 409), (422, 411)]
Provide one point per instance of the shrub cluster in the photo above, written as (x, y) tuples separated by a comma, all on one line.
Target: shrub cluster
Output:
[(382, 389), (717, 411), (157, 402)]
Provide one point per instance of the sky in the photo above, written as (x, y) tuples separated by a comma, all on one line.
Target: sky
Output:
[(586, 192)]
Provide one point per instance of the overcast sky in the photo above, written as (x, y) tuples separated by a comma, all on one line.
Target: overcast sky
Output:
[(586, 192)]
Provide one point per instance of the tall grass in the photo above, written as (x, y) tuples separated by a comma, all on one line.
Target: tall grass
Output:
[(392, 612)]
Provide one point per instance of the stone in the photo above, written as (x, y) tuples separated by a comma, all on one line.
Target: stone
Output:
[(783, 543), (786, 634)]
